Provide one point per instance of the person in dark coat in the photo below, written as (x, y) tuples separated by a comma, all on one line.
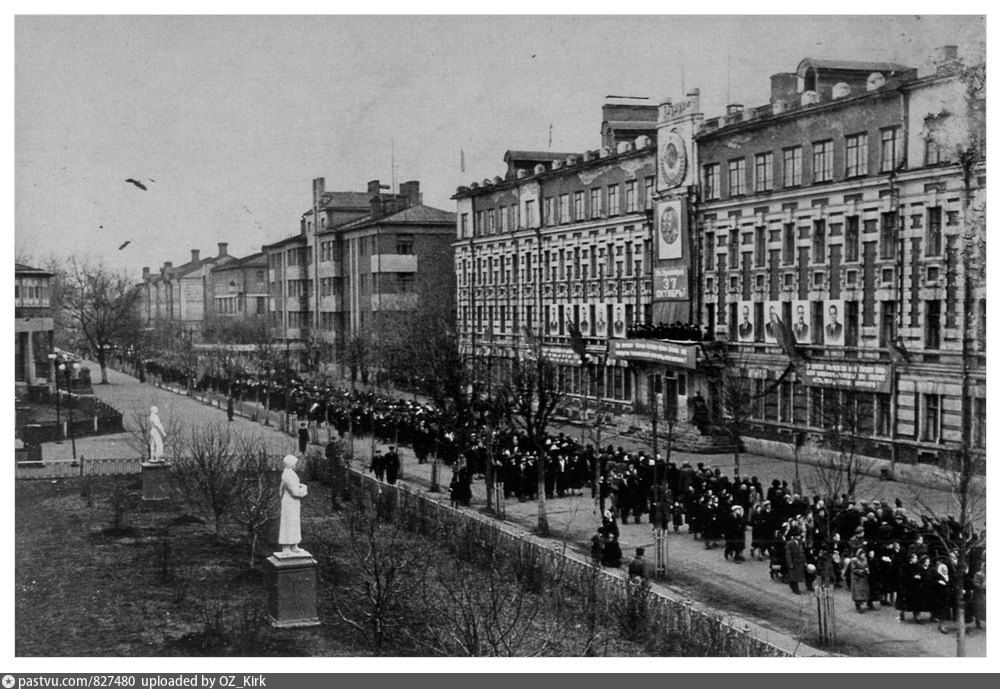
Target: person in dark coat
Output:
[(229, 409), (391, 465), (796, 558), (612, 553), (639, 568), (735, 534), (860, 575), (303, 436), (377, 465)]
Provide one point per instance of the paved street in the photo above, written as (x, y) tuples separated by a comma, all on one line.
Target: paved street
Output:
[(702, 575)]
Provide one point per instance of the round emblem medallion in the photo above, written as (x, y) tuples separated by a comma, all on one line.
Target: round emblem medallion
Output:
[(673, 160), (670, 225)]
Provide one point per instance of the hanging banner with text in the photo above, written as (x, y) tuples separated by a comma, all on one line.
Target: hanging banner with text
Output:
[(847, 375), (671, 293), (654, 352)]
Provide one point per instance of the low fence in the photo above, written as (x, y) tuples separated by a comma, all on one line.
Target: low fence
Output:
[(68, 468), (678, 617), (94, 418)]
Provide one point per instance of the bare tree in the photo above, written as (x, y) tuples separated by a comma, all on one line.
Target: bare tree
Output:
[(528, 399), (258, 496), (847, 418), (101, 305), (138, 429)]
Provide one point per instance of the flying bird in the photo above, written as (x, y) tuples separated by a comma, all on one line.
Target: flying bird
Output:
[(127, 242), (137, 183)]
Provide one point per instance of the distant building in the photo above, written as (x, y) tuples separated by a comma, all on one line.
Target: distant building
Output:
[(370, 257), (239, 287), (181, 296), (839, 209), (33, 325)]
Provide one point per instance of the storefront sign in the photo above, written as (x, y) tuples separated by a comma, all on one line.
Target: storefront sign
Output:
[(655, 351), (847, 375)]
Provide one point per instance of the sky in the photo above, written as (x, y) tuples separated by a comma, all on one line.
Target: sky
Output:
[(227, 119)]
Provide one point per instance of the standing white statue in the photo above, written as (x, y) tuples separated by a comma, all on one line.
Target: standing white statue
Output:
[(156, 436), (292, 492)]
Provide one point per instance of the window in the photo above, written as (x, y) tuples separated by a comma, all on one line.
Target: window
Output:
[(931, 418), (563, 208), (502, 219), (934, 231), (595, 203), (737, 173), (819, 241), (792, 166), (404, 244), (712, 181), (788, 244), (892, 150), (888, 235), (578, 209), (734, 248), (480, 223), (261, 305), (405, 282), (763, 176), (822, 161), (760, 245), (548, 219), (852, 238), (932, 318), (857, 155), (630, 197), (464, 226), (491, 222), (709, 251), (292, 257), (978, 429), (932, 151), (613, 199), (648, 197)]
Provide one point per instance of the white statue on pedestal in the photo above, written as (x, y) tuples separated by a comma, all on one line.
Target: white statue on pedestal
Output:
[(156, 436), (292, 492)]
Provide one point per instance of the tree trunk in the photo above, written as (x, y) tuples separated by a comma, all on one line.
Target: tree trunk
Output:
[(102, 360), (543, 517)]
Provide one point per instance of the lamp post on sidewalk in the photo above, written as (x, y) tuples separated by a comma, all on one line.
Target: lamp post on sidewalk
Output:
[(69, 401), (56, 363)]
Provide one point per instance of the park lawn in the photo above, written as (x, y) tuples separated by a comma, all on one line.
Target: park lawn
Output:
[(81, 590)]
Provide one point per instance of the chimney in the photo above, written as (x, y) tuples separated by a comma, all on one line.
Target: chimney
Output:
[(375, 199), (195, 253), (411, 190), (374, 188), (945, 53), (224, 246), (734, 108), (784, 87), (319, 188), (145, 272)]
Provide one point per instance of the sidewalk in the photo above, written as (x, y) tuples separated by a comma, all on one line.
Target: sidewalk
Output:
[(703, 576)]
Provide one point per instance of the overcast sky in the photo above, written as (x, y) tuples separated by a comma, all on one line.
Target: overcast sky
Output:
[(233, 116)]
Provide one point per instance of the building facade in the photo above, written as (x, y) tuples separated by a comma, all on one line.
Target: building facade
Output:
[(371, 257), (34, 327), (239, 287), (843, 208), (181, 296), (561, 239)]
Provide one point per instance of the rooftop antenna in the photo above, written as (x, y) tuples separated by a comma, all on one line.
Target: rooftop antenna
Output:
[(729, 60), (550, 136), (392, 161)]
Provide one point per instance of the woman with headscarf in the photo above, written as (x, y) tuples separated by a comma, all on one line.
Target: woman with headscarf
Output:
[(292, 492), (860, 589)]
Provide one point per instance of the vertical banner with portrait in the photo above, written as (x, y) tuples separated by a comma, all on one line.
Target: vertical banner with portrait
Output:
[(671, 296), (833, 322), (602, 324), (744, 322), (800, 322), (618, 327), (771, 317)]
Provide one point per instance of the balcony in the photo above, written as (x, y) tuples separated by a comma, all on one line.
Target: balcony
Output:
[(407, 301), (394, 263)]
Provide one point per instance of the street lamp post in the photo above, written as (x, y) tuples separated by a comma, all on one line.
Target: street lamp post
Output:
[(57, 362), (69, 402)]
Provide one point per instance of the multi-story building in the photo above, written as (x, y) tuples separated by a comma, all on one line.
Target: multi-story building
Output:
[(842, 208), (181, 296), (371, 257), (562, 238), (33, 324), (239, 287)]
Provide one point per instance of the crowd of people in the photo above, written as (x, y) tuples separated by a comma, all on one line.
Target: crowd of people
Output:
[(667, 331), (884, 554)]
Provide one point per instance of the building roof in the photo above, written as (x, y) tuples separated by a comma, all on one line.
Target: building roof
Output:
[(346, 199), (536, 155), (853, 65), (632, 125), (415, 215), (21, 269), (259, 258)]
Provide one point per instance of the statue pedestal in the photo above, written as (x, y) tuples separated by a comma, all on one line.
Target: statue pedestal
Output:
[(157, 484), (292, 597)]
